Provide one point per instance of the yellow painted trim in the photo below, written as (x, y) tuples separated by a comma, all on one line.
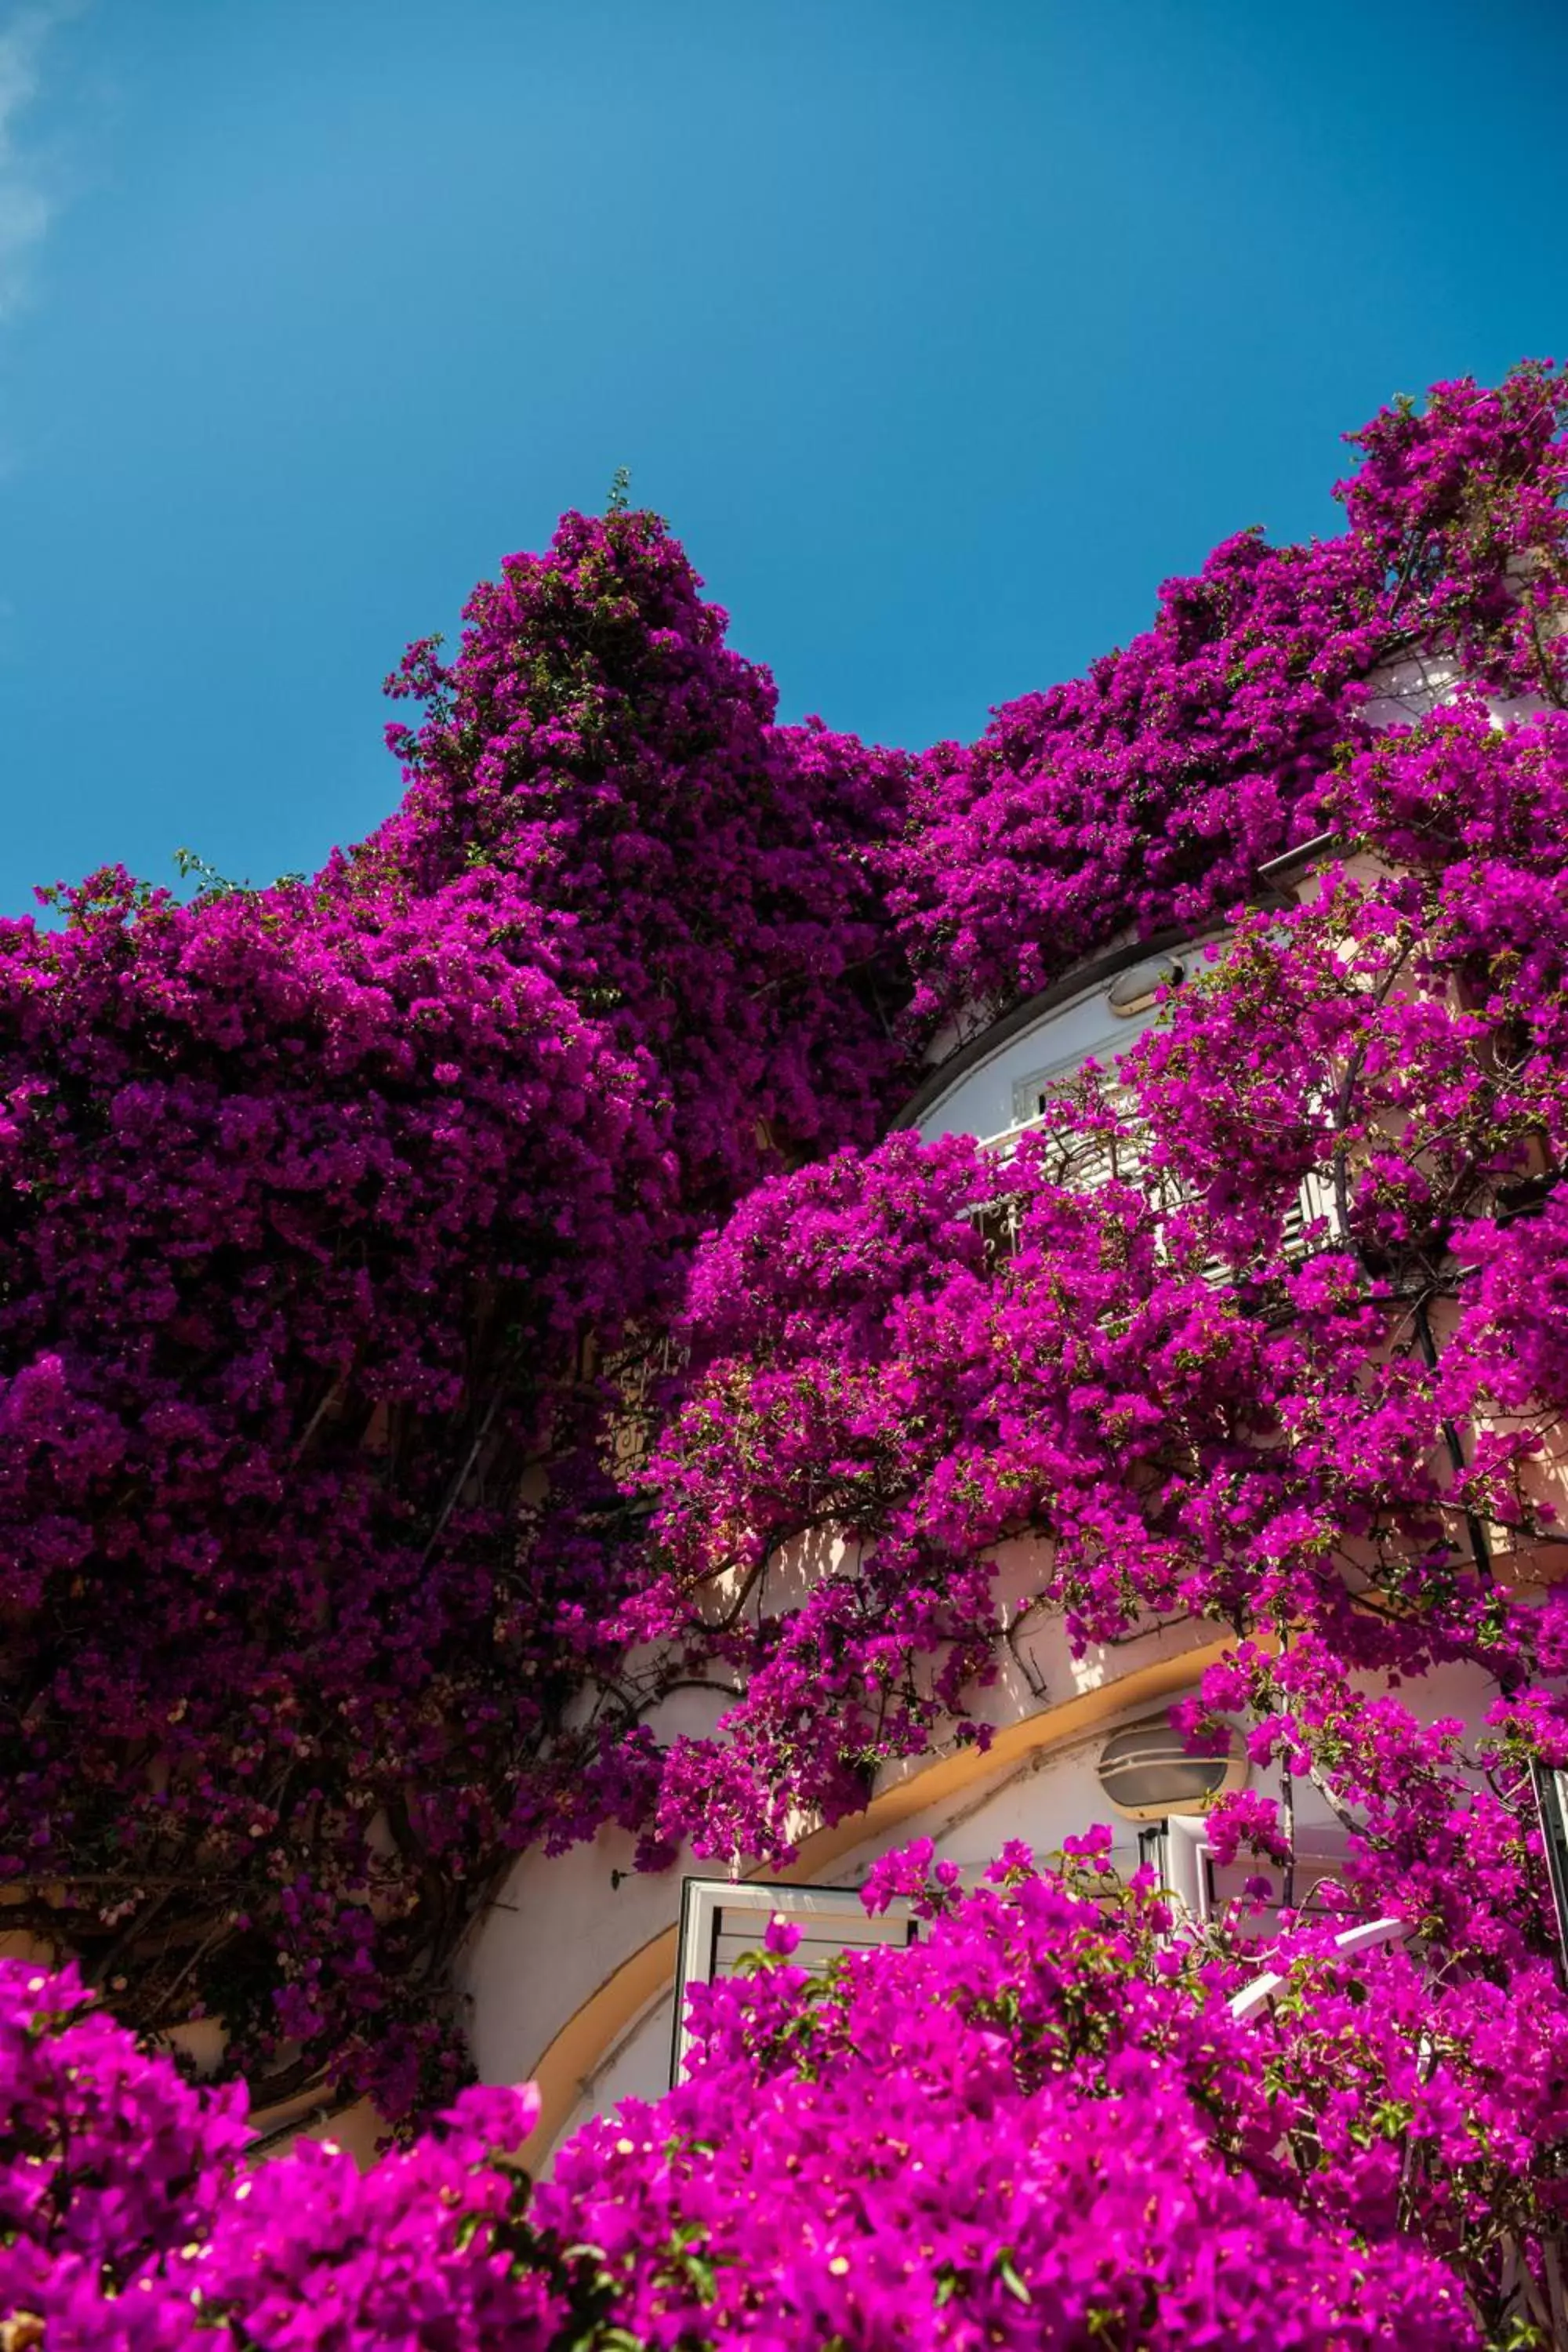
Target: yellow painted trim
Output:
[(564, 2068)]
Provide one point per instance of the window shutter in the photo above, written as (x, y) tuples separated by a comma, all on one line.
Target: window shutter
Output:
[(724, 1922)]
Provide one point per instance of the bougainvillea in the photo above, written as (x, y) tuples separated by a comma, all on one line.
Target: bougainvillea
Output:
[(326, 1209), (350, 1229), (1042, 2126), (1150, 790), (1126, 1345), (706, 878)]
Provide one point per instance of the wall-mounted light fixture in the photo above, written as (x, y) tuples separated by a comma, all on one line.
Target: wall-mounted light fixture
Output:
[(1134, 991), (1148, 1775)]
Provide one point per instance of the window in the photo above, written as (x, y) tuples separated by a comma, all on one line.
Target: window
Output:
[(1049, 1085), (722, 1922), (1552, 1796), (1200, 1888)]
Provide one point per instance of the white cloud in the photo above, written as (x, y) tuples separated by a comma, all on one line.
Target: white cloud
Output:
[(26, 206)]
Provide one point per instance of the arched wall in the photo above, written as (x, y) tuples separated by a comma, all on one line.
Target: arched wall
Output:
[(557, 1987), (1039, 1783), (983, 1100), (1050, 1792), (568, 1980), (564, 1924)]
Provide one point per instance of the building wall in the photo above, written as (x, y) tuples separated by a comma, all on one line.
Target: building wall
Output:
[(1051, 1795), (982, 1101), (566, 1924), (569, 1978)]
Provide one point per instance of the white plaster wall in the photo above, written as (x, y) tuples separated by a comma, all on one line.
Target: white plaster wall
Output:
[(636, 2067), (1041, 1801), (562, 1924), (980, 1102), (565, 1923), (1053, 1795), (563, 1928), (1402, 693)]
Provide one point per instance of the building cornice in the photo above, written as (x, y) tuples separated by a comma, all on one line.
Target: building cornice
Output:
[(564, 2071), (1094, 971)]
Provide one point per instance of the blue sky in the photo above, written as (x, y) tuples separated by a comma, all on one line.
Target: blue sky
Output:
[(941, 330)]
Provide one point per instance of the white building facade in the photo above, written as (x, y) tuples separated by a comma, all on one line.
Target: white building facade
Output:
[(572, 1978)]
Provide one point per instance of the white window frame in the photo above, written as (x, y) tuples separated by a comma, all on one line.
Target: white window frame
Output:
[(1179, 1849), (1185, 1843), (1053, 1079), (703, 1901), (1551, 1799)]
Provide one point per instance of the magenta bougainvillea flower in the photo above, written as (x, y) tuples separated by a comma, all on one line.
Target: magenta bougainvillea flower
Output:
[(1040, 2126), (423, 1281)]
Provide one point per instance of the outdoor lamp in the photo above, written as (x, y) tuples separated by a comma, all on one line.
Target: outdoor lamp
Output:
[(1148, 1774)]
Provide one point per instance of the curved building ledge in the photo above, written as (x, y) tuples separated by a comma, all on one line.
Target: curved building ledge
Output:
[(564, 2068)]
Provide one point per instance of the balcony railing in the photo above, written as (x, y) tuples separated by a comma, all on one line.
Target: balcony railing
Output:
[(1087, 1160)]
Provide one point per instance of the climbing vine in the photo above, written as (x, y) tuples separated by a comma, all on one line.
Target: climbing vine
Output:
[(354, 1247)]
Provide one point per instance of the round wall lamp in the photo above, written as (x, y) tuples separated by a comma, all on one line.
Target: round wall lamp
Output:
[(1148, 1775), (1134, 991)]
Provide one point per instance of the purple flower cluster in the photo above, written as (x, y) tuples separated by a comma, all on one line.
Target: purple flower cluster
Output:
[(1340, 1438), (129, 2223), (329, 1211), (1149, 792), (345, 1223), (1041, 2127)]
